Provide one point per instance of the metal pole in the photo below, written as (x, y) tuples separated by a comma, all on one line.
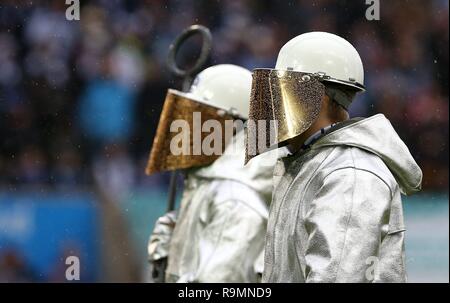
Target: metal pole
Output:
[(187, 75)]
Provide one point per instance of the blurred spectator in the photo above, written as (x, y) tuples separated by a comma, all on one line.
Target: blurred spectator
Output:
[(13, 268), (67, 170), (32, 166), (106, 112), (114, 172)]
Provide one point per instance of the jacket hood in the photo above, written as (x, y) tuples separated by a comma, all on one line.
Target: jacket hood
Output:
[(257, 174), (376, 135)]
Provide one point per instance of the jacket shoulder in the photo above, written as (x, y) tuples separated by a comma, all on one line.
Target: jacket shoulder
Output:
[(232, 191), (342, 157)]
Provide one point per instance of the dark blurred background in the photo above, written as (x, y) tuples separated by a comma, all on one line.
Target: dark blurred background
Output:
[(80, 101)]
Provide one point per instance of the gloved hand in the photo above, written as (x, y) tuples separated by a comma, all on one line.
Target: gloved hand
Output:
[(158, 245)]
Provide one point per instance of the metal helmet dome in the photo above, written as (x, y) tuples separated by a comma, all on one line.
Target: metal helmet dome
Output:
[(225, 86), (323, 53)]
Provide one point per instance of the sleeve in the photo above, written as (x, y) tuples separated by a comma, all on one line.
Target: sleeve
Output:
[(158, 246), (158, 243), (344, 226), (230, 243)]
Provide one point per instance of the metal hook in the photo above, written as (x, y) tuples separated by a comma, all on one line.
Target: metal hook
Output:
[(188, 74)]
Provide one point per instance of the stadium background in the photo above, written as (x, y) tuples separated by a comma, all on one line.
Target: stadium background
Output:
[(79, 103)]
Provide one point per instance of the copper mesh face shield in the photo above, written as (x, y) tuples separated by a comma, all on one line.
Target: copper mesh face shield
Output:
[(283, 105), (186, 131)]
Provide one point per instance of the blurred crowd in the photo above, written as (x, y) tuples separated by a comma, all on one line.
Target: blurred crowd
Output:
[(80, 100)]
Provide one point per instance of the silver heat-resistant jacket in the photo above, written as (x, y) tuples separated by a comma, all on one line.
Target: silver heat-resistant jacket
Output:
[(221, 225), (336, 213)]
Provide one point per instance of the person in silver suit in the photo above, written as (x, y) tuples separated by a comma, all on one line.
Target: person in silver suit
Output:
[(218, 233), (336, 213)]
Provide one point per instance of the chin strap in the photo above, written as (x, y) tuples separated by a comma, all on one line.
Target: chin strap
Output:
[(338, 96)]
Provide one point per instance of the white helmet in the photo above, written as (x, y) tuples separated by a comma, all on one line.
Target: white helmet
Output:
[(320, 52), (225, 86)]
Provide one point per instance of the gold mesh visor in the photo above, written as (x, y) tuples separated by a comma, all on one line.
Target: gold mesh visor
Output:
[(183, 119), (283, 105)]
